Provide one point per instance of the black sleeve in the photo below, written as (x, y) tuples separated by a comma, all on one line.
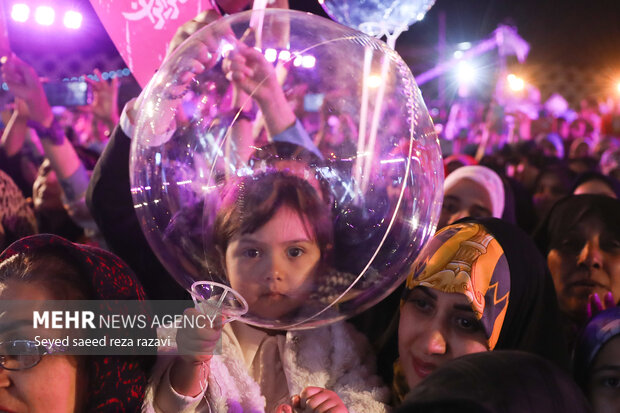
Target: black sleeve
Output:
[(110, 203)]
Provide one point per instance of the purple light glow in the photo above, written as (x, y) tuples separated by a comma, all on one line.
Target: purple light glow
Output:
[(72, 19), (20, 12), (44, 15)]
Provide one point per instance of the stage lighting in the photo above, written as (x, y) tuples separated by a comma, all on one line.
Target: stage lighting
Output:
[(72, 19), (20, 12), (618, 87), (466, 73), (515, 83), (44, 15)]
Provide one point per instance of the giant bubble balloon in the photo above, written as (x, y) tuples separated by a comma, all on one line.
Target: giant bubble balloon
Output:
[(377, 17), (265, 163)]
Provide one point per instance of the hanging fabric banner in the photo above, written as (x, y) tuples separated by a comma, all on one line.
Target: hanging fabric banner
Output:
[(142, 29)]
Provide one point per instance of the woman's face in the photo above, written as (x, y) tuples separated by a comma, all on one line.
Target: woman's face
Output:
[(436, 327), (465, 199), (549, 190), (46, 190), (274, 267), (51, 385), (604, 378), (586, 261)]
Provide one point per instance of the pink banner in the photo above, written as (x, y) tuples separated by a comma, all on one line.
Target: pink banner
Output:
[(142, 29)]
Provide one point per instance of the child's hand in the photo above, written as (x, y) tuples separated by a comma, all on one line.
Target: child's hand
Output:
[(197, 344), (320, 400)]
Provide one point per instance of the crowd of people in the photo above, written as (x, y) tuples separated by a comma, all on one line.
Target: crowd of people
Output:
[(511, 306)]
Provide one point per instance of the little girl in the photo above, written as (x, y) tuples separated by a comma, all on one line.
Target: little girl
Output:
[(273, 235)]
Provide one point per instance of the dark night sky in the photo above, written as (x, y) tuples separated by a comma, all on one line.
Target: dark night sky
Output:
[(569, 32)]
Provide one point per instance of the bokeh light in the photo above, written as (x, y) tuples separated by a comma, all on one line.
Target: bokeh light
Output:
[(20, 12), (44, 15), (515, 83), (72, 19)]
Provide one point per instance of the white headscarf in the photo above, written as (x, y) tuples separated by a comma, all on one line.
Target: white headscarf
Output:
[(486, 178)]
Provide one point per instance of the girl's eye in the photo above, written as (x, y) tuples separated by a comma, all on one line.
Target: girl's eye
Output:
[(467, 324), (611, 382), (251, 253), (295, 252), (422, 304)]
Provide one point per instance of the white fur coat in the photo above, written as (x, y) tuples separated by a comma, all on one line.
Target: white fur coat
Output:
[(335, 357)]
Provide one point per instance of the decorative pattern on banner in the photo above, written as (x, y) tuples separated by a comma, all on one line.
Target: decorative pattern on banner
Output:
[(142, 29)]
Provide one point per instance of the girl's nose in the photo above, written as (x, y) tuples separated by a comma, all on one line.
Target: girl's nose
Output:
[(436, 343)]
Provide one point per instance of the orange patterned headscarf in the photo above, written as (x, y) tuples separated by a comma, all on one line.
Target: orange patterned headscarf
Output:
[(466, 259)]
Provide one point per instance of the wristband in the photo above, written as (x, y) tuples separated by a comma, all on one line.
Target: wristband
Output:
[(55, 133)]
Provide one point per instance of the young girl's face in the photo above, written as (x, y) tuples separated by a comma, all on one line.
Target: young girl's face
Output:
[(274, 267), (436, 327)]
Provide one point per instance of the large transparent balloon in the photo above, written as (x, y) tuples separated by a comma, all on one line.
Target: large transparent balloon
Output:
[(265, 160), (377, 17)]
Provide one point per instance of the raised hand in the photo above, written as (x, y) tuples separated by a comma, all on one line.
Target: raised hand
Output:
[(595, 305), (105, 97), (24, 83)]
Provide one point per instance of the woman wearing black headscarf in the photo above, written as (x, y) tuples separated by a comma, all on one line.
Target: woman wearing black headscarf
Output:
[(478, 285), (581, 239), (47, 267), (499, 381)]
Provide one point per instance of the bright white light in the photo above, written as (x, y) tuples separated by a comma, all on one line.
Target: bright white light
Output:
[(374, 81), (72, 19), (20, 12), (297, 61), (458, 54), (44, 15), (618, 87), (466, 73), (515, 83), (271, 55), (464, 46), (420, 16), (308, 61), (284, 55)]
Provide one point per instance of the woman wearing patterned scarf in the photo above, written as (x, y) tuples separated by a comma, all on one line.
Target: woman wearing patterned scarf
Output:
[(478, 285), (47, 267)]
